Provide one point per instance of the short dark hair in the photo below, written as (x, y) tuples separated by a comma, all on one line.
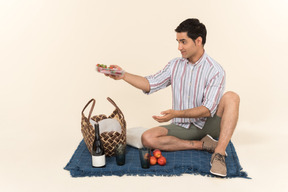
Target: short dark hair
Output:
[(193, 28)]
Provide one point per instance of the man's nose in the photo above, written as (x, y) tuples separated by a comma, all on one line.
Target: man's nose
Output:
[(180, 47)]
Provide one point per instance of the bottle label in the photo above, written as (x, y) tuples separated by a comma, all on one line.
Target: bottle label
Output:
[(98, 161)]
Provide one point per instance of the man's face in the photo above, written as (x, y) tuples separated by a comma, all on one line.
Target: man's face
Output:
[(187, 46)]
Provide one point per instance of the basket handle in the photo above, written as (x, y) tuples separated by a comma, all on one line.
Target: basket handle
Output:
[(91, 109), (113, 103)]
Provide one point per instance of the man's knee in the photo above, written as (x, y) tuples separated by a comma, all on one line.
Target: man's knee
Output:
[(150, 137), (231, 97), (146, 139)]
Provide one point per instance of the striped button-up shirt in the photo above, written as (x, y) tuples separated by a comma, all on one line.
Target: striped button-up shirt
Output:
[(193, 85)]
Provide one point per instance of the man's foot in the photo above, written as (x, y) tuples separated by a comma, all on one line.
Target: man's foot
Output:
[(209, 144), (218, 165)]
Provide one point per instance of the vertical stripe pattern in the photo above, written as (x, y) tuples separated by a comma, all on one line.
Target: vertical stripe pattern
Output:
[(193, 85)]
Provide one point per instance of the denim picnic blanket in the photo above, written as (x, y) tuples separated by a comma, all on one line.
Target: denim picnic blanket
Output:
[(178, 163)]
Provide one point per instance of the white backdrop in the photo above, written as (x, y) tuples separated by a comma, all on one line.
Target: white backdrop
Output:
[(49, 49)]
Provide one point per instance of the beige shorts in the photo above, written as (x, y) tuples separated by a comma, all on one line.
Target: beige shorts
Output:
[(211, 127)]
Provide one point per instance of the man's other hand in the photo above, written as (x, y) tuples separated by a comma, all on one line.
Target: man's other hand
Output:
[(166, 116)]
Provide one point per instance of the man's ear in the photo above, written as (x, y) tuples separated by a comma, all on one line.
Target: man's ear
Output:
[(198, 40)]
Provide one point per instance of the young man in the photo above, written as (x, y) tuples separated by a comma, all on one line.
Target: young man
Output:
[(200, 111)]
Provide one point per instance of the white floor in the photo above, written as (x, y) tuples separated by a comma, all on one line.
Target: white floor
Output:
[(29, 163)]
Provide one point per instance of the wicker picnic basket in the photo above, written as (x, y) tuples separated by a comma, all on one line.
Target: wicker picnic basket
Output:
[(109, 139)]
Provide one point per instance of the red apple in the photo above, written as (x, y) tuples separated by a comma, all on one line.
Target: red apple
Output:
[(157, 153), (153, 160), (161, 161)]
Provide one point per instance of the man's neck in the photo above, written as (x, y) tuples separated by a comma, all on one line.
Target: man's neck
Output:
[(196, 57)]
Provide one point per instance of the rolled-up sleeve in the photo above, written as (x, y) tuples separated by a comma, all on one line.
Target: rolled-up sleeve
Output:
[(159, 80), (213, 92)]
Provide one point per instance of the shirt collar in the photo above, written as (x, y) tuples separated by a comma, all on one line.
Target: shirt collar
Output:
[(200, 60)]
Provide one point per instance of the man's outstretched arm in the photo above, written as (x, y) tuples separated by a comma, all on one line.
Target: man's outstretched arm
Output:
[(135, 80)]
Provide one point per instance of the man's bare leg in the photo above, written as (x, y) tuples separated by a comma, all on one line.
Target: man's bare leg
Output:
[(228, 109), (156, 138)]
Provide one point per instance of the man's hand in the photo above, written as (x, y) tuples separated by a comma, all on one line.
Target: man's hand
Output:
[(116, 77), (166, 116)]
